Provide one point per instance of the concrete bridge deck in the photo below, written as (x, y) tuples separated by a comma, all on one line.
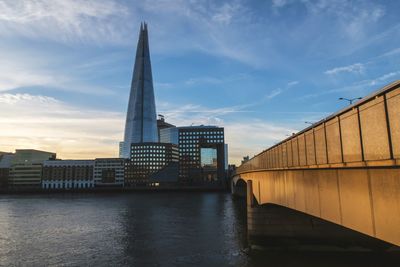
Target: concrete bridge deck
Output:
[(343, 169)]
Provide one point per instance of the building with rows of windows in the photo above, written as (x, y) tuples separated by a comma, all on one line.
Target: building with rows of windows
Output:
[(67, 174), (109, 172), (202, 156), (149, 162), (26, 168), (158, 152)]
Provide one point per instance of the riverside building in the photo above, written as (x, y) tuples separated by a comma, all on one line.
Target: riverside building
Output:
[(201, 153), (67, 174), (26, 168), (109, 172), (5, 165), (152, 164)]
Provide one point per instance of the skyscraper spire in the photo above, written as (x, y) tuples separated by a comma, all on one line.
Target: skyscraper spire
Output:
[(141, 120)]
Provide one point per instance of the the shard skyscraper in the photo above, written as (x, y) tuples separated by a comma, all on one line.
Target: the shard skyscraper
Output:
[(141, 118)]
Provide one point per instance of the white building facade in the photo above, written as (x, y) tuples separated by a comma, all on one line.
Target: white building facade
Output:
[(67, 174)]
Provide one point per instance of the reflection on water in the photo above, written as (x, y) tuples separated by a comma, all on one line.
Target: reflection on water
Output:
[(144, 229)]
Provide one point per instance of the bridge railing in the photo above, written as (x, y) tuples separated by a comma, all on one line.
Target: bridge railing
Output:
[(364, 134)]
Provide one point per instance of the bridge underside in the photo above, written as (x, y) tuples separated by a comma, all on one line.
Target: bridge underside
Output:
[(276, 227), (366, 200)]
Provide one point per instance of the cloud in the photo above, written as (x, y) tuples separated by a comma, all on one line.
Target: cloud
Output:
[(216, 80), (353, 19), (252, 137), (63, 20), (362, 86), (392, 52), (244, 136), (25, 69), (354, 68), (273, 94), (197, 114), (225, 13), (278, 91), (381, 79), (279, 3), (42, 122), (46, 123), (14, 99)]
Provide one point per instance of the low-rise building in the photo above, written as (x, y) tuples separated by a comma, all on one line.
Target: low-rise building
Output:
[(67, 174), (26, 168), (109, 172), (5, 165)]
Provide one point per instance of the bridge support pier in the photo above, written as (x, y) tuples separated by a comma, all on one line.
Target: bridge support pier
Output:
[(275, 227)]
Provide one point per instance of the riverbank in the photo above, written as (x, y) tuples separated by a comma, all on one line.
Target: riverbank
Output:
[(114, 190)]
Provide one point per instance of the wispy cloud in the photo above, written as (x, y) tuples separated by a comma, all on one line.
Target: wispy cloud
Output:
[(279, 3), (392, 52), (273, 94), (362, 86), (241, 143), (380, 80), (197, 114), (42, 122), (263, 135), (278, 91), (354, 68), (63, 20), (24, 69), (202, 80)]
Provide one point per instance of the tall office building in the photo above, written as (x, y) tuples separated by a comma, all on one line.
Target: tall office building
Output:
[(202, 155), (141, 120)]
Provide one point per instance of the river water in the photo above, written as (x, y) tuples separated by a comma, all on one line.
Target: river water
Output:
[(142, 229)]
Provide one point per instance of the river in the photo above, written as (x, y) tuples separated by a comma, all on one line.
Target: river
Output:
[(142, 229)]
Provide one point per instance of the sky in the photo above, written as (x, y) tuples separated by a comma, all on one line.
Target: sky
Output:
[(260, 69)]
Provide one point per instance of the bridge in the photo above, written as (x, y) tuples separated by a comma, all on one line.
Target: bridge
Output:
[(343, 170)]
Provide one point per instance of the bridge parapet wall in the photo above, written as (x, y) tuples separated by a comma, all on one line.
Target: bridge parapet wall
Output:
[(364, 134), (344, 169)]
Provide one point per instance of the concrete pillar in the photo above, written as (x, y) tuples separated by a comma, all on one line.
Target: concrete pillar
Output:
[(249, 195)]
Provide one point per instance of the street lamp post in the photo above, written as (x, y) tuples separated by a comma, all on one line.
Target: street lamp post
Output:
[(350, 99)]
